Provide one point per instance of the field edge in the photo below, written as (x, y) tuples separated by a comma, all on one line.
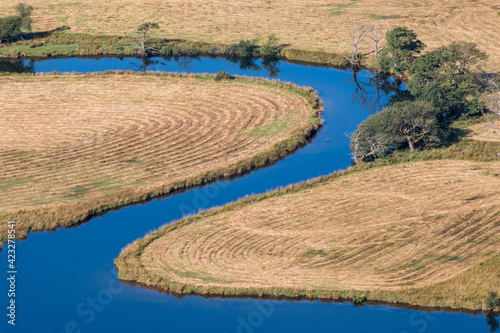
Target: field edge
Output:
[(130, 268), (81, 212)]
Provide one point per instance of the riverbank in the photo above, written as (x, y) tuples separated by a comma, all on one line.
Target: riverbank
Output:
[(67, 44), (320, 27), (336, 237), (95, 142)]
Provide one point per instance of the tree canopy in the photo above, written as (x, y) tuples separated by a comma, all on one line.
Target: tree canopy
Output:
[(400, 51)]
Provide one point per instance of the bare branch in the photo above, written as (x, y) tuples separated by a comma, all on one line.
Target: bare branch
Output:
[(357, 36)]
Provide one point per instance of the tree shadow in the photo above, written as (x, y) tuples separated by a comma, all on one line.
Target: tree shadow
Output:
[(41, 34), (17, 66), (145, 65), (377, 92), (492, 322)]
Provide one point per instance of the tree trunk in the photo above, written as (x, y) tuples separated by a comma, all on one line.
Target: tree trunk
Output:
[(410, 143)]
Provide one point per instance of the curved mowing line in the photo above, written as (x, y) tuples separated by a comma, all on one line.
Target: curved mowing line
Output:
[(114, 139), (390, 232)]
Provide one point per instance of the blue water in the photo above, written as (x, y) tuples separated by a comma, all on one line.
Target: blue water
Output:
[(66, 280)]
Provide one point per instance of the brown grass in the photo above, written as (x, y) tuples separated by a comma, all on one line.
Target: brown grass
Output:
[(74, 145), (485, 132), (414, 233), (321, 25)]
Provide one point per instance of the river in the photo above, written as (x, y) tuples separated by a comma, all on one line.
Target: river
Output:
[(66, 280)]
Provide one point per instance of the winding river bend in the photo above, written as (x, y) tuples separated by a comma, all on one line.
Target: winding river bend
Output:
[(66, 280)]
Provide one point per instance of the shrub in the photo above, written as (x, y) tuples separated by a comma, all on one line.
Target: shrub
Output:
[(358, 299), (222, 76), (492, 301), (247, 48), (271, 47), (10, 26)]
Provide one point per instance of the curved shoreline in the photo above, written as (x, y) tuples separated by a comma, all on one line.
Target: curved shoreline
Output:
[(278, 151), (131, 269)]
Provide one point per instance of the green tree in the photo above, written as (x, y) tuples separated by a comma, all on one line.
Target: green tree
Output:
[(371, 139), (142, 36), (401, 49), (449, 77), (24, 12), (403, 124), (271, 47), (247, 48), (492, 301), (412, 121), (10, 27)]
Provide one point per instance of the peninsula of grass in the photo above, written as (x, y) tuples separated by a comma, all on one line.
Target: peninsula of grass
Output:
[(420, 229), (311, 30), (76, 145)]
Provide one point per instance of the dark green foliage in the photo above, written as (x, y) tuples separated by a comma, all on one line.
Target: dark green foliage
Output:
[(492, 301), (24, 12), (271, 47), (449, 78), (402, 124), (10, 27), (247, 48), (220, 76), (412, 122), (402, 48)]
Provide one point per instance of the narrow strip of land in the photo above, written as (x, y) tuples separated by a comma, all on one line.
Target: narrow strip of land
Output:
[(321, 25), (424, 233), (76, 145)]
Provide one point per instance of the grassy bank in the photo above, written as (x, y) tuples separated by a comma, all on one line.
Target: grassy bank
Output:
[(325, 28), (84, 144), (342, 237), (66, 44)]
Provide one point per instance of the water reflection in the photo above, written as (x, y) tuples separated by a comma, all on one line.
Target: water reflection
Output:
[(492, 322), (17, 66), (371, 91)]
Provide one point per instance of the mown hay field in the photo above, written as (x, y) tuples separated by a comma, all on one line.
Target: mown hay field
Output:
[(320, 25), (417, 233), (485, 131), (75, 145)]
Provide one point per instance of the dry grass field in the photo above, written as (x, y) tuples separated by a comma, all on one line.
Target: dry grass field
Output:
[(485, 132), (321, 25), (73, 145), (417, 233)]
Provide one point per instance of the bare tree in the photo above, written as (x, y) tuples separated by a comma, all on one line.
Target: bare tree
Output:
[(364, 145), (376, 35), (493, 104), (142, 35), (357, 35)]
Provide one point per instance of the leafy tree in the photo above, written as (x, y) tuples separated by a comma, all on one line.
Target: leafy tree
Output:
[(371, 139), (10, 27), (412, 121), (401, 49), (403, 123), (449, 77), (492, 301), (142, 35), (24, 12), (247, 48), (271, 47)]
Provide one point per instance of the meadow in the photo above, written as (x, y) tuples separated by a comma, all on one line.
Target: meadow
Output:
[(303, 24), (422, 232), (78, 145)]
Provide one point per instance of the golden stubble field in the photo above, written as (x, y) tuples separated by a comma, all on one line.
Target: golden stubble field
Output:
[(305, 24), (406, 227), (71, 142)]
